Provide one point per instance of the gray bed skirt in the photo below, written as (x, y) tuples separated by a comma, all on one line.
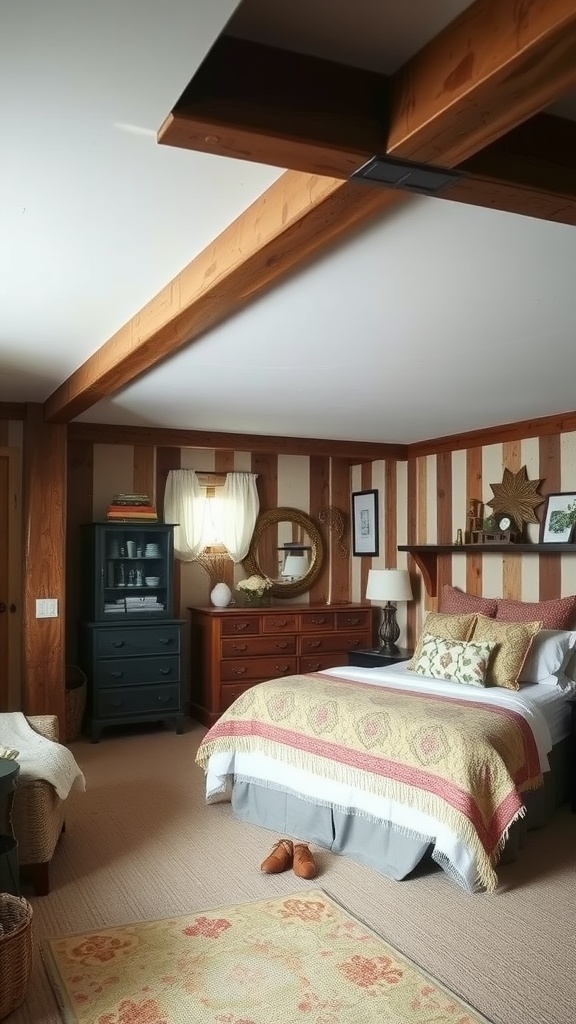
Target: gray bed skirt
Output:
[(377, 843)]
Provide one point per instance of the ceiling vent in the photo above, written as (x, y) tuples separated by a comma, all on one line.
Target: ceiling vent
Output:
[(410, 177)]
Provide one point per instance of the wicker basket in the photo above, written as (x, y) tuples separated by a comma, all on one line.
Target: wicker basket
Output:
[(75, 701), (15, 951)]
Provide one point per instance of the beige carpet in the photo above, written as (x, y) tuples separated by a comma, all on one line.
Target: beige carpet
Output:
[(288, 960), (141, 844)]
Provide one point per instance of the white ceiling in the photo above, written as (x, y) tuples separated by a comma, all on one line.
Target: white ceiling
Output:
[(437, 319)]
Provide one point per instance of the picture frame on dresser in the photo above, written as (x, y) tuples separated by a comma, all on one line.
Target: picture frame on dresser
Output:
[(365, 532)]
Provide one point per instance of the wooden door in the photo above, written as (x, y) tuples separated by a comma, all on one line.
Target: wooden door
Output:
[(10, 572)]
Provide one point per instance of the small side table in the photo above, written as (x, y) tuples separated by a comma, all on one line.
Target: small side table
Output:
[(374, 657), (9, 875)]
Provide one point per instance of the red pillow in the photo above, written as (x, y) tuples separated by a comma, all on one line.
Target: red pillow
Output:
[(558, 614), (454, 601)]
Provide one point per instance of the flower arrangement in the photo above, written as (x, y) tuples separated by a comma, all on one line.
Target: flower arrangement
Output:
[(253, 588)]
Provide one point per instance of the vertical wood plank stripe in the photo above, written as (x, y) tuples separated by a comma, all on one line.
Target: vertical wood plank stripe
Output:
[(366, 563), (444, 515), (266, 466), (320, 497), (473, 492), (511, 563), (167, 459), (550, 567), (340, 487), (144, 472), (390, 525), (412, 534), (43, 655), (79, 498)]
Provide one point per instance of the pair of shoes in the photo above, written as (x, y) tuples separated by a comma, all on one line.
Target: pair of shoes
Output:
[(285, 854)]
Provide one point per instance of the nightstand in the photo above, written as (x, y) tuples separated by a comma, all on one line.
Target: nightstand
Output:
[(373, 657)]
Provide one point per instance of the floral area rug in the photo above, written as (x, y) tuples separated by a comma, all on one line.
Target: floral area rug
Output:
[(279, 961)]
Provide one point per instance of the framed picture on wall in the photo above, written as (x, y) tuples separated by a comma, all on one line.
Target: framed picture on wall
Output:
[(559, 519), (365, 540)]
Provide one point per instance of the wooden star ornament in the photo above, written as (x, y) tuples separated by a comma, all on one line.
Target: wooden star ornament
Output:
[(517, 495)]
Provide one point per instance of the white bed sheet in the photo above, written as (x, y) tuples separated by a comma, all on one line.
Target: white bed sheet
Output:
[(543, 706)]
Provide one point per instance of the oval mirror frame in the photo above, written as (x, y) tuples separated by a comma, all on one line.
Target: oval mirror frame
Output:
[(272, 518)]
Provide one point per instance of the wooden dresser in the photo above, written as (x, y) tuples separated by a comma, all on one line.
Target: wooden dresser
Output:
[(234, 648)]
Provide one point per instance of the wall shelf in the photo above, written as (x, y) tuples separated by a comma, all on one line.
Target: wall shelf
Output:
[(426, 555)]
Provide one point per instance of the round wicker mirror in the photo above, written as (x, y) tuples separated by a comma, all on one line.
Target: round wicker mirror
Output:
[(287, 548)]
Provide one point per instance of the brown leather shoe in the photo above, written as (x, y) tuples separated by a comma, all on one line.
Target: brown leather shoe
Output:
[(279, 858), (303, 864)]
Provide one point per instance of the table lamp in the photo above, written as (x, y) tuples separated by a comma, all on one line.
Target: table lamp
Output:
[(389, 585)]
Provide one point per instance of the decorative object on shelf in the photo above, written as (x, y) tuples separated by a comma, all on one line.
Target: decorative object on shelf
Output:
[(499, 529), (559, 520), (459, 538), (365, 537), (475, 521), (221, 595), (254, 589), (389, 585), (516, 498)]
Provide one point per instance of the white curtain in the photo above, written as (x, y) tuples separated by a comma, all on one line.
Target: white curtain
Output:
[(184, 503), (240, 507)]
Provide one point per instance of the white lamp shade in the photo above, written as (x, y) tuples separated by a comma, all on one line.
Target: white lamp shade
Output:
[(295, 566), (388, 585)]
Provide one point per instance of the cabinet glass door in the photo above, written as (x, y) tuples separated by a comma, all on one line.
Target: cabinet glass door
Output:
[(133, 571)]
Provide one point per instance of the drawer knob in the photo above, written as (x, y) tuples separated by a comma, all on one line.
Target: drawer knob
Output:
[(117, 675), (280, 623), (117, 643), (240, 647), (314, 668), (282, 668), (281, 646), (353, 621), (163, 699), (314, 643), (164, 639), (319, 622), (116, 703), (239, 671), (354, 643), (240, 625), (165, 671)]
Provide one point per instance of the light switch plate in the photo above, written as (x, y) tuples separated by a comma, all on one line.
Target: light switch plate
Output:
[(46, 608)]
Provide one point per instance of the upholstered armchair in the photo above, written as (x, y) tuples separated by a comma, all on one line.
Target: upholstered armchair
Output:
[(38, 818)]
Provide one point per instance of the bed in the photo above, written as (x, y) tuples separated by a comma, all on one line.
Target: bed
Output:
[(457, 776)]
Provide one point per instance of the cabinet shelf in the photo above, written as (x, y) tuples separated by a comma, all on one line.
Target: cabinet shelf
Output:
[(426, 555)]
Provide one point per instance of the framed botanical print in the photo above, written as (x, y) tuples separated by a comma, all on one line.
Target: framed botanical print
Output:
[(365, 537)]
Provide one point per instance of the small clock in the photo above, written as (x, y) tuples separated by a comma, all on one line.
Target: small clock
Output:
[(503, 522)]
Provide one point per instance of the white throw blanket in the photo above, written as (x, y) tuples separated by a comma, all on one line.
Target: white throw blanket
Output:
[(38, 757)]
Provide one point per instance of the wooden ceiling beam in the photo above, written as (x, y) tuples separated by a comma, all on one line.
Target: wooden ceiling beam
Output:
[(496, 65)]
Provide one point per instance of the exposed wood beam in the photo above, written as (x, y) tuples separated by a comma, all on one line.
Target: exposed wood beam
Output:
[(354, 451), (12, 411), (313, 115), (497, 64)]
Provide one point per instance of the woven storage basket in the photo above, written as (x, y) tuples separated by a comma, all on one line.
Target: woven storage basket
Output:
[(15, 951), (75, 701)]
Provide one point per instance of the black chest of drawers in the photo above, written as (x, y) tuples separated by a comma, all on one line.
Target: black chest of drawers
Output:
[(133, 673)]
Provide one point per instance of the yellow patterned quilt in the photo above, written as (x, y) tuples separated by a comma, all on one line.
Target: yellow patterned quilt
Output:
[(463, 762)]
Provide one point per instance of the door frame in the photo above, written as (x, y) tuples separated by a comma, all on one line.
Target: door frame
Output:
[(12, 696)]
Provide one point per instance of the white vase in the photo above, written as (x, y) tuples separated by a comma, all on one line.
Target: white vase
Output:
[(221, 595)]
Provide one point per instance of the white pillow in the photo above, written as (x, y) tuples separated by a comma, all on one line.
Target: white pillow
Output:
[(548, 654)]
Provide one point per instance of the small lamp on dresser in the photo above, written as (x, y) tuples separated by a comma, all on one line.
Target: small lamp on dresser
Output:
[(387, 585)]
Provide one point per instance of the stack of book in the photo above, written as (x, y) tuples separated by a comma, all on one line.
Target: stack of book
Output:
[(128, 507)]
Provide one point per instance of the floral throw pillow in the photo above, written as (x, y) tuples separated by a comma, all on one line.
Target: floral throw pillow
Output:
[(513, 640), (449, 627), (457, 661)]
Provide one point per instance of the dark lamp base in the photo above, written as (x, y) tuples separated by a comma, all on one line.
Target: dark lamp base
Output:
[(389, 630)]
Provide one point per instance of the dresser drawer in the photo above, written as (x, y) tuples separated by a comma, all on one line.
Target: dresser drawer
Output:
[(258, 645), (354, 620), (138, 700), (333, 642), (125, 642), (279, 622), (229, 692), (240, 625), (257, 668), (316, 662), (135, 671), (317, 622)]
